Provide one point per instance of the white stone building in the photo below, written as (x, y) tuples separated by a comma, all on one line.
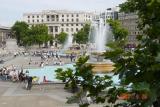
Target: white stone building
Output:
[(110, 13), (59, 20), (4, 34)]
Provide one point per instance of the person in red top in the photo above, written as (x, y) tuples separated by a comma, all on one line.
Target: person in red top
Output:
[(44, 79)]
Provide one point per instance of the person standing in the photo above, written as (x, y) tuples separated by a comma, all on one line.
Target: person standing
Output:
[(29, 81), (71, 57)]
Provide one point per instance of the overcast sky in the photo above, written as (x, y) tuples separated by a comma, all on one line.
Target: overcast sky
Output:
[(12, 10)]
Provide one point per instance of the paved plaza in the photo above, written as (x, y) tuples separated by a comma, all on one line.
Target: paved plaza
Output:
[(22, 61), (15, 95), (53, 95)]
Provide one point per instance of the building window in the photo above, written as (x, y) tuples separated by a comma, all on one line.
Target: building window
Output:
[(47, 16), (57, 20), (72, 20), (62, 24), (62, 15), (28, 16), (48, 20), (81, 24), (51, 29), (52, 16), (37, 16), (67, 29), (67, 24), (42, 20), (72, 15), (62, 20), (32, 16), (77, 20), (76, 29), (56, 29), (71, 24), (77, 15), (67, 15), (72, 29), (28, 21), (32, 20), (76, 24), (37, 20), (52, 19), (67, 20), (57, 16)]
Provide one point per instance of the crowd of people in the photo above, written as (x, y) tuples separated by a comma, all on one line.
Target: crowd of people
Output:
[(11, 73), (14, 75), (53, 58), (8, 73)]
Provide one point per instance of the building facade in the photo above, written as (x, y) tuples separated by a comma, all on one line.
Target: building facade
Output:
[(110, 13), (59, 20), (4, 34), (129, 21)]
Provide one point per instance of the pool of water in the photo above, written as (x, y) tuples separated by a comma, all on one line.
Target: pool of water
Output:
[(49, 73)]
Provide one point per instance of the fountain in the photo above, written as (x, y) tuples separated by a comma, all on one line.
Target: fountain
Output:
[(69, 47), (68, 42), (100, 34)]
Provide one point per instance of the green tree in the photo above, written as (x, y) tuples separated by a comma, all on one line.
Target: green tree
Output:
[(26, 41), (61, 38), (20, 31), (118, 31), (82, 36), (74, 80), (51, 38), (82, 80), (141, 67), (39, 34), (40, 39), (95, 85), (137, 70)]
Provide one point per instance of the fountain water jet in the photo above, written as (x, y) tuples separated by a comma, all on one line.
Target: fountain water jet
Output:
[(68, 42), (100, 34)]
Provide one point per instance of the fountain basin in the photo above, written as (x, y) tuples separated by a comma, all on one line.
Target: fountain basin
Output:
[(72, 51), (101, 67), (98, 53)]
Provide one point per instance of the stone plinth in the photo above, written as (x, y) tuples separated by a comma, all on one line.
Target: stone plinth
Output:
[(102, 67)]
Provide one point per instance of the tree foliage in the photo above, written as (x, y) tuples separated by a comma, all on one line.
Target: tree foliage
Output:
[(118, 31), (61, 38), (84, 82), (138, 70), (39, 34), (97, 86), (28, 36), (20, 30), (82, 36)]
